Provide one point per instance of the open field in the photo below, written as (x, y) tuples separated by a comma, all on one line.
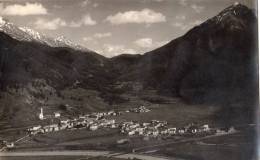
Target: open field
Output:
[(237, 146), (44, 158), (240, 146), (84, 154), (60, 158)]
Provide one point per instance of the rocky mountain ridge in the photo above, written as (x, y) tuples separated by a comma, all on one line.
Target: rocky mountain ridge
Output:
[(28, 34)]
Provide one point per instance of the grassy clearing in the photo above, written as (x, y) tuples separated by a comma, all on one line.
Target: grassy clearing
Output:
[(230, 147), (44, 158), (60, 158)]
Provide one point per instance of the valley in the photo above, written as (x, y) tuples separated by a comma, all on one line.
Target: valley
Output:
[(193, 98), (81, 137)]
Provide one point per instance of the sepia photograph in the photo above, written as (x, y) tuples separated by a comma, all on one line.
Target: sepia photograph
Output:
[(129, 80)]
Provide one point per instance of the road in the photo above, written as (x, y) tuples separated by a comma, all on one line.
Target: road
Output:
[(81, 153)]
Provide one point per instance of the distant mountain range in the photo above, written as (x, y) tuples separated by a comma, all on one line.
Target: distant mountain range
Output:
[(215, 63), (30, 35)]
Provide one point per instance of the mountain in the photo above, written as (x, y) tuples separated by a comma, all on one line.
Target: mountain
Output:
[(34, 74), (214, 63), (227, 39), (28, 34)]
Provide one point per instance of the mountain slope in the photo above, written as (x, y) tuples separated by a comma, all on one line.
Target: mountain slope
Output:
[(228, 38), (215, 63), (23, 61), (34, 75)]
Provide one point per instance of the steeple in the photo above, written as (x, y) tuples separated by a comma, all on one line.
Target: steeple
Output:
[(41, 117)]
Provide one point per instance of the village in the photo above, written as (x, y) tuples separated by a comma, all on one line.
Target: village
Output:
[(157, 128), (99, 120), (91, 121)]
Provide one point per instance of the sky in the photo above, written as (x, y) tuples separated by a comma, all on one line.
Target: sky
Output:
[(113, 27)]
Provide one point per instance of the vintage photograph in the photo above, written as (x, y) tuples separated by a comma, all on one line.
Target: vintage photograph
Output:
[(129, 80)]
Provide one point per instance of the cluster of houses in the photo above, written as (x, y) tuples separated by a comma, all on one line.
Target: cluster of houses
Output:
[(146, 129), (74, 124), (98, 120), (141, 109), (92, 122), (100, 115), (157, 128)]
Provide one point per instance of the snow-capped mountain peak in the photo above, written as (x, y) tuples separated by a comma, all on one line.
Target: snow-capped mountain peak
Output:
[(2, 21), (63, 39), (28, 34), (35, 35)]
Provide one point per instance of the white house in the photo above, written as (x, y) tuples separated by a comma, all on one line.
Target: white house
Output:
[(93, 127), (155, 133), (206, 127), (51, 128), (56, 114), (232, 130), (172, 130), (35, 128), (131, 133), (181, 131)]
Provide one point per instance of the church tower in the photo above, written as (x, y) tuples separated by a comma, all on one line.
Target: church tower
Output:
[(41, 117)]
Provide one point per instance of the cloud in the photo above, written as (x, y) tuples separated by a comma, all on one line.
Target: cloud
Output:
[(149, 43), (75, 24), (55, 6), (148, 1), (180, 17), (144, 42), (23, 10), (102, 35), (97, 36), (87, 38), (186, 26), (180, 25), (49, 24), (196, 22), (84, 21), (95, 5), (146, 16), (85, 3), (110, 50), (158, 0), (197, 8), (88, 21), (159, 44), (183, 2)]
